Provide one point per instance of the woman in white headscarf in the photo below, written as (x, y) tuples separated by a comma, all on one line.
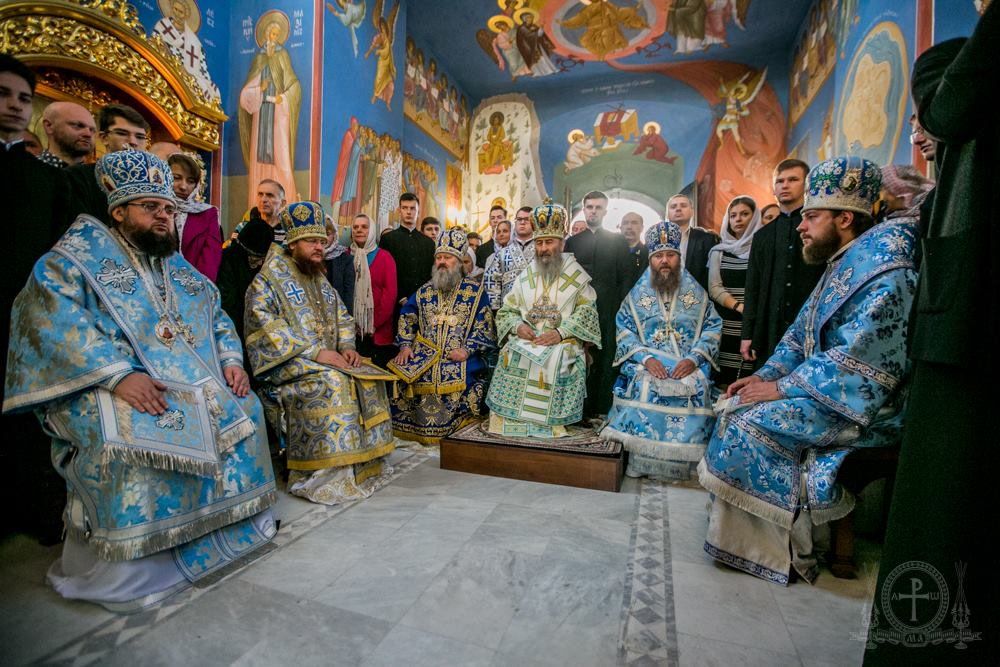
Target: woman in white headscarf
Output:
[(727, 275)]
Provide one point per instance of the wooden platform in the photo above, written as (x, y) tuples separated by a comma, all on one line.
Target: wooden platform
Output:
[(579, 460)]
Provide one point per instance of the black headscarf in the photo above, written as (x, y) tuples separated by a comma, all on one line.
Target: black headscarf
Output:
[(256, 236)]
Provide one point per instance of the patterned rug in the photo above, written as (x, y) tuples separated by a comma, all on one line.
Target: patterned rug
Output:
[(581, 440)]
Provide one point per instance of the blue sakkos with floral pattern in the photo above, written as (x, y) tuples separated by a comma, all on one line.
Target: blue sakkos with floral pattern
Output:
[(137, 483), (841, 370)]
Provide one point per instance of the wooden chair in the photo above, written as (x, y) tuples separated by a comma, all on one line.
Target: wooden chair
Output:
[(860, 469)]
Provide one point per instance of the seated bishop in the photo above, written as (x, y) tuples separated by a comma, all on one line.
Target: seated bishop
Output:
[(329, 405), (546, 319), (444, 331), (123, 351), (668, 339), (834, 384)]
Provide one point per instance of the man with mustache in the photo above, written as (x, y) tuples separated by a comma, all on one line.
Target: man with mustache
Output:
[(668, 340), (333, 409), (445, 330), (835, 383), (123, 349), (549, 314)]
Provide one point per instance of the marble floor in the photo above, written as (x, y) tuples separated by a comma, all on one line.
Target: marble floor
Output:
[(447, 568)]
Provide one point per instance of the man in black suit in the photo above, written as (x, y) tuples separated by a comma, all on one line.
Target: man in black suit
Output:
[(411, 250), (483, 252), (695, 241), (778, 279), (37, 212), (605, 256)]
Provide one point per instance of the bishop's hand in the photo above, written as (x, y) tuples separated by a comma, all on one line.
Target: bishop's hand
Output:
[(352, 357), (143, 393), (405, 354), (684, 368), (458, 354), (735, 387), (332, 358), (655, 368), (237, 379), (525, 332), (550, 337)]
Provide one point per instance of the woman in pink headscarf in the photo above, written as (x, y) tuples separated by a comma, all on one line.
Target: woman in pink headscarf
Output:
[(904, 188)]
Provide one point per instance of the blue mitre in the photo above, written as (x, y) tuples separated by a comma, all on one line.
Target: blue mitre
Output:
[(453, 241), (129, 175), (844, 184), (662, 236), (303, 220)]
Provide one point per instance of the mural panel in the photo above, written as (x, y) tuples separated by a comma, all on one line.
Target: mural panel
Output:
[(437, 107), (815, 55), (369, 176), (874, 98)]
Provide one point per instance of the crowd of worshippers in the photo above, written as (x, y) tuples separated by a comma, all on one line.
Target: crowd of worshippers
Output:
[(169, 371)]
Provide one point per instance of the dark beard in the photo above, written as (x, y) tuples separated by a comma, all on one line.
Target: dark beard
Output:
[(445, 279), (667, 285), (549, 268), (820, 249), (153, 244), (309, 267)]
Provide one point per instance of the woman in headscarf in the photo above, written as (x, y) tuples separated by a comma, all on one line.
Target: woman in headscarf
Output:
[(339, 266), (197, 223), (471, 270), (904, 188), (727, 273), (374, 292)]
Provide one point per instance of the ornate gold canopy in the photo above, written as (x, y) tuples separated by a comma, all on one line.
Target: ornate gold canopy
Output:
[(75, 42)]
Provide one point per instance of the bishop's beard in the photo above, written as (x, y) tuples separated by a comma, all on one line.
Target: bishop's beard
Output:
[(549, 266), (149, 242), (310, 267), (667, 284), (444, 279)]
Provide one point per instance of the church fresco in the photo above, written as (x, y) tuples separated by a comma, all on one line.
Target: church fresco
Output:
[(433, 101), (381, 46), (269, 105), (815, 56), (874, 98), (515, 40), (503, 160), (178, 28), (350, 15)]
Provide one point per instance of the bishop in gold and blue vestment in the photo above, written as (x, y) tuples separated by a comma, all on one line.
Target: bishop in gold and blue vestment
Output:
[(664, 422), (300, 340), (157, 497), (835, 383), (549, 314), (444, 332)]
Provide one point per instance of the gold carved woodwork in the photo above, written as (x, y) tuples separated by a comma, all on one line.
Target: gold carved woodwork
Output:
[(104, 39)]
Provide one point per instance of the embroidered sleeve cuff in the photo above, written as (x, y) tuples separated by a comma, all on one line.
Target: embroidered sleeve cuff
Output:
[(768, 373), (783, 386), (113, 381), (231, 362)]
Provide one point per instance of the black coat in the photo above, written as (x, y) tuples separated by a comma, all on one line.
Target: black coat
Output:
[(605, 256), (700, 242), (340, 273), (238, 268), (88, 196), (483, 253), (778, 283), (39, 210), (638, 262), (945, 480), (413, 253)]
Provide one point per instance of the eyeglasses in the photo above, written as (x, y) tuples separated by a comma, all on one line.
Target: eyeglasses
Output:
[(153, 208), (125, 134)]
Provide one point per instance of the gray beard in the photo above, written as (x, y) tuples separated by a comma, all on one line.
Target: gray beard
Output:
[(665, 286), (549, 268), (445, 279)]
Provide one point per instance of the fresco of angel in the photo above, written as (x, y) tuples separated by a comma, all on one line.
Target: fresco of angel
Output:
[(499, 43), (351, 15), (738, 95), (385, 68)]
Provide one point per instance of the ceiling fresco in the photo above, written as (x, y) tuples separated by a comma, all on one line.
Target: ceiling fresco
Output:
[(499, 46)]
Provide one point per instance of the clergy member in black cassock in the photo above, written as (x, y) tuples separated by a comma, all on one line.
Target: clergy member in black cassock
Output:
[(605, 256), (412, 251), (36, 199), (945, 496), (778, 281)]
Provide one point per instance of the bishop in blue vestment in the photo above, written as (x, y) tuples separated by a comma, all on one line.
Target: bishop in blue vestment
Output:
[(835, 383), (668, 339), (123, 351)]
